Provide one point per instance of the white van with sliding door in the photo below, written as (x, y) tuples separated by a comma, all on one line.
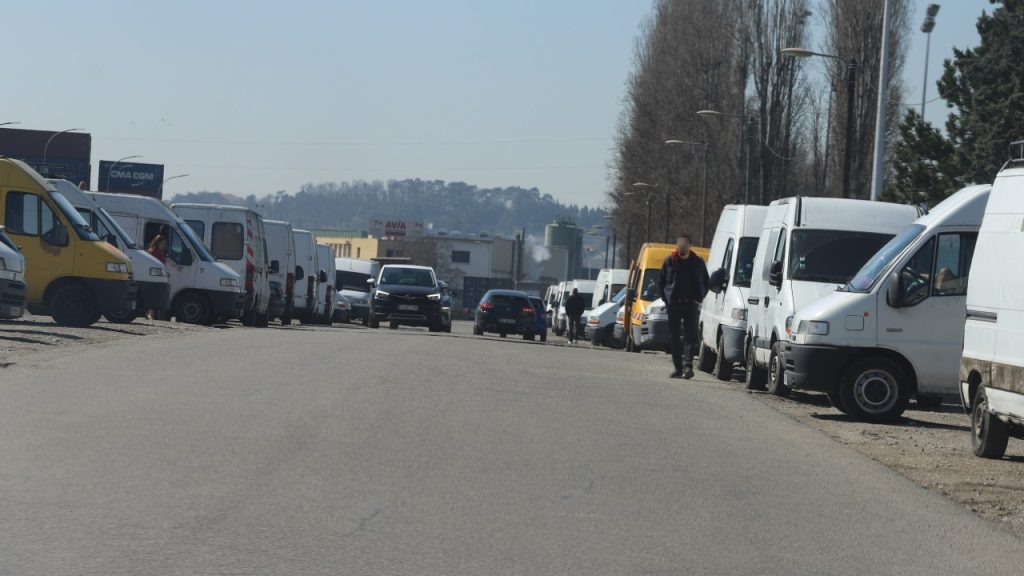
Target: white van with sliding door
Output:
[(150, 274), (236, 237), (307, 275), (609, 282), (723, 313), (326, 295), (896, 329), (351, 278), (281, 253), (992, 363), (203, 290), (807, 249)]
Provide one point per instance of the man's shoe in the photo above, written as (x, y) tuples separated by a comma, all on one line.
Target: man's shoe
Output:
[(677, 373), (688, 373)]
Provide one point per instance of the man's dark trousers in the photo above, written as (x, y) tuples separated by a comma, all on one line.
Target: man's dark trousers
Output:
[(682, 317), (574, 328)]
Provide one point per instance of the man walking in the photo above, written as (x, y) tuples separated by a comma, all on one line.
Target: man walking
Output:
[(683, 283), (574, 307)]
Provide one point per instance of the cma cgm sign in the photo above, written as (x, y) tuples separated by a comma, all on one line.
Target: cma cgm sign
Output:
[(396, 228), (131, 178)]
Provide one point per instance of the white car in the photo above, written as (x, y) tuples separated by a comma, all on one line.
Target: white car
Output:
[(600, 322)]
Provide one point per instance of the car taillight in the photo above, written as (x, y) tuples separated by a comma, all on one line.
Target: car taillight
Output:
[(529, 310), (486, 306)]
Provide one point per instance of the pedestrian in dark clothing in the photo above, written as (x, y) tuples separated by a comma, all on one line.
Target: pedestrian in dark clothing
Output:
[(574, 307), (683, 284)]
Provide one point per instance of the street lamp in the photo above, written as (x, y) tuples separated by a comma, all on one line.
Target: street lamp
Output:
[(927, 27), (609, 218), (607, 237), (851, 83), (166, 180), (111, 169), (705, 147), (50, 139), (648, 188), (744, 134)]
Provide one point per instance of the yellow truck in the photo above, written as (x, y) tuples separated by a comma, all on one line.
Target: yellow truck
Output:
[(642, 289), (72, 274)]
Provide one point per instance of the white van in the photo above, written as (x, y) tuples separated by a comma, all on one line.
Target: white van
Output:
[(554, 295), (723, 314), (281, 253), (202, 290), (350, 281), (307, 276), (326, 295), (150, 274), (992, 364), (586, 289), (12, 278), (808, 247), (609, 282), (236, 237), (896, 329)]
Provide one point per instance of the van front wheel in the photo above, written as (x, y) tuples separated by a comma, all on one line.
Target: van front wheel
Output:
[(875, 390), (192, 309), (755, 377), (74, 305), (989, 434), (705, 359), (722, 369), (777, 371)]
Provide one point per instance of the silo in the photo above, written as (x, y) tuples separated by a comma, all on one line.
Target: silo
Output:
[(565, 234)]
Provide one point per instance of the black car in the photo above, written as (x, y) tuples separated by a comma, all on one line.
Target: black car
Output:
[(408, 295), (505, 312)]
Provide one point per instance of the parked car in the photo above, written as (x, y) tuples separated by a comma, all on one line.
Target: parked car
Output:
[(654, 328), (642, 291), (351, 277), (151, 276), (447, 305), (505, 312), (619, 330), (281, 253), (71, 274), (407, 295), (540, 327), (342, 308), (12, 278), (326, 295), (203, 290), (723, 313), (808, 247), (991, 366), (236, 237), (896, 329), (609, 282), (601, 320), (586, 290), (307, 276)]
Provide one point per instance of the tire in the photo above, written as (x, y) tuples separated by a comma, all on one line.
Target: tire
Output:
[(448, 328), (756, 378), (875, 389), (529, 337), (125, 318), (989, 434), (286, 319), (393, 325), (544, 336), (373, 322), (477, 330), (74, 305), (706, 359), (366, 321), (502, 335), (837, 401), (777, 371), (928, 402), (722, 369), (192, 309)]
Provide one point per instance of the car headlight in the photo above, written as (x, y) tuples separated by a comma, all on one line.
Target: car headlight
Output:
[(381, 295), (434, 296), (156, 271), (655, 310), (812, 327), (592, 321), (117, 267), (739, 314), (229, 282)]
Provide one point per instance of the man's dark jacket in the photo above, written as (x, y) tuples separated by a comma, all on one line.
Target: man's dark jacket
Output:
[(683, 279), (575, 305)]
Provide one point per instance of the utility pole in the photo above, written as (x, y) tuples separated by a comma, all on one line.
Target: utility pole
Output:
[(927, 27), (851, 88), (878, 170)]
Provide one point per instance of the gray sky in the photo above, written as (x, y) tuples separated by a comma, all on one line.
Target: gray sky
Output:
[(251, 98)]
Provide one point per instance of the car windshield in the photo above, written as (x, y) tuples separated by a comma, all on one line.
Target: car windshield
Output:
[(6, 240), (744, 270), (865, 279), (507, 301), (619, 296), (113, 225), (355, 281), (408, 277), (650, 290), (82, 228), (194, 241), (831, 256)]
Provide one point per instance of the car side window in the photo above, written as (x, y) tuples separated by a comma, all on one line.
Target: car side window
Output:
[(21, 214), (953, 263), (915, 276), (176, 248), (727, 259), (773, 239)]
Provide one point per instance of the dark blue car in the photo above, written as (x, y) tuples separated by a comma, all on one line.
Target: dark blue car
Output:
[(542, 320)]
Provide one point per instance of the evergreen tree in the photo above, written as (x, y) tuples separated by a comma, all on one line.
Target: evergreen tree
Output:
[(925, 170)]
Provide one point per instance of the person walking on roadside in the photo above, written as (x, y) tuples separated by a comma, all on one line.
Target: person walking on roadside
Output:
[(574, 307), (684, 283)]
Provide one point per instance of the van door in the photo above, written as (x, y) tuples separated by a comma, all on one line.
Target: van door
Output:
[(181, 265), (929, 328), (763, 295), (714, 304), (43, 238)]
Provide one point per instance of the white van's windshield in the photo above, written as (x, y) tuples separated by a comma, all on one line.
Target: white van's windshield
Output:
[(619, 296), (194, 241), (744, 270), (864, 280), (831, 256), (82, 228)]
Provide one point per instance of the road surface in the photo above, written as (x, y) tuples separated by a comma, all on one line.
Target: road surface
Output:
[(350, 451)]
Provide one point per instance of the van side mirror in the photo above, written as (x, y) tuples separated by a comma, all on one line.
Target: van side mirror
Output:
[(111, 239), (775, 274), (719, 280), (371, 281), (322, 276), (894, 291), (275, 267), (300, 274)]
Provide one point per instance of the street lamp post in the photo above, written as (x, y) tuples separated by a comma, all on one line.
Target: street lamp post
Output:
[(649, 188), (166, 180), (745, 132), (705, 147), (851, 85), (611, 229), (607, 239), (927, 27), (50, 139), (878, 164), (114, 165)]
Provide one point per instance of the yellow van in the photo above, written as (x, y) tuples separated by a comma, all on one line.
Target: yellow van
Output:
[(72, 274), (642, 288)]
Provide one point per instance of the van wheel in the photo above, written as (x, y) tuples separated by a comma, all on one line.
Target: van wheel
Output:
[(529, 336), (722, 369), (477, 330), (74, 305), (755, 377), (372, 322), (706, 359), (989, 434), (874, 390), (544, 336), (121, 317), (837, 401), (393, 325), (192, 309), (777, 371)]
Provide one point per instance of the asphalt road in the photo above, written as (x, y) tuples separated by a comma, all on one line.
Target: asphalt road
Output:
[(349, 451)]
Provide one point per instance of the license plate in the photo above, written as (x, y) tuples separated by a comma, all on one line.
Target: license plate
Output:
[(409, 307), (507, 321), (14, 310)]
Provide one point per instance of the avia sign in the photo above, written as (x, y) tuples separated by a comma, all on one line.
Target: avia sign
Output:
[(396, 228)]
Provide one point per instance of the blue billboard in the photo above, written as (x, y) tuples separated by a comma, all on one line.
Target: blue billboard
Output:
[(131, 178)]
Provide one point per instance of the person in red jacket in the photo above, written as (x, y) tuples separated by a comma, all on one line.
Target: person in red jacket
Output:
[(683, 283)]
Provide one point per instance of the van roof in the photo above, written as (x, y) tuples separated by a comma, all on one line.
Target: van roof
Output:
[(963, 208), (653, 254), (19, 174), (224, 207), (845, 213)]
